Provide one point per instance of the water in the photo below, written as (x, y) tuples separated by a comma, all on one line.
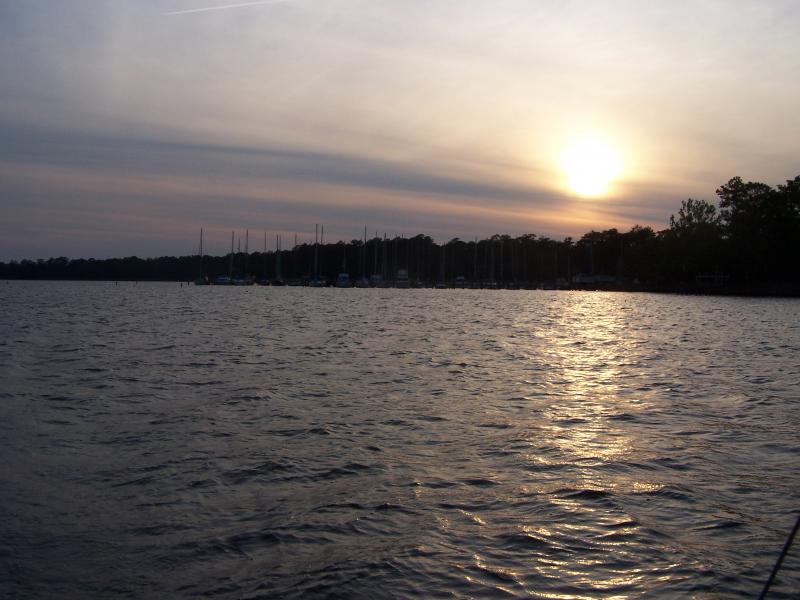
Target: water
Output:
[(166, 441)]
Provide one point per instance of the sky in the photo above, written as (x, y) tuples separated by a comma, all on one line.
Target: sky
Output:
[(127, 126)]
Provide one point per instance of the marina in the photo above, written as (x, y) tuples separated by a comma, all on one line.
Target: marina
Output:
[(386, 263)]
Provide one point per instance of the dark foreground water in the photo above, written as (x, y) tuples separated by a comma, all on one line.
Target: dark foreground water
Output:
[(168, 442)]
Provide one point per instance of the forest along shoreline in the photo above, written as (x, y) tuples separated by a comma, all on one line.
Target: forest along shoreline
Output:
[(746, 244)]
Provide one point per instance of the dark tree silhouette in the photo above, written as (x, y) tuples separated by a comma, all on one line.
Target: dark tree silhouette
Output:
[(694, 242), (750, 244)]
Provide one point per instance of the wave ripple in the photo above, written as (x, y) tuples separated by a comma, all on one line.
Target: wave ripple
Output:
[(160, 441)]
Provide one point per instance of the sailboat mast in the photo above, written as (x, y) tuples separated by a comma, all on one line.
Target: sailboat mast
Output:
[(277, 257), (230, 263), (246, 249), (375, 255), (475, 262), (525, 260), (238, 255), (555, 262), (491, 264), (316, 245), (444, 258), (384, 257), (502, 264), (394, 263), (201, 253)]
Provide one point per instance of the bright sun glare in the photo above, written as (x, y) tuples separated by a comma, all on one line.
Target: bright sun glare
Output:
[(590, 164)]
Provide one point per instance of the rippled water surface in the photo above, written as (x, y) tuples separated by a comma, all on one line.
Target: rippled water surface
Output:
[(167, 441)]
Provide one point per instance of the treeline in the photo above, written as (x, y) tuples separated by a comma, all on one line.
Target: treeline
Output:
[(748, 242)]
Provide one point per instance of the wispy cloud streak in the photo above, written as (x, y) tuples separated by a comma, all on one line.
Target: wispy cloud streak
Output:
[(223, 7)]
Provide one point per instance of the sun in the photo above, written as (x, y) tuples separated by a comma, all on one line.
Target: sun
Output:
[(590, 164)]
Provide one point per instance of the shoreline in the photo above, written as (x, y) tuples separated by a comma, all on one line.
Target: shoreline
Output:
[(772, 291)]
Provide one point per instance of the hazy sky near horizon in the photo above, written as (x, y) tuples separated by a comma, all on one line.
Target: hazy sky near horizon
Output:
[(125, 126)]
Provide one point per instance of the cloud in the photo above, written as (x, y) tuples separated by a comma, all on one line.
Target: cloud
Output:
[(438, 115), (114, 184), (222, 7), (236, 162)]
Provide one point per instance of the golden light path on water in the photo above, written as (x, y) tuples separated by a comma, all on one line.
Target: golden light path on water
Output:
[(587, 386)]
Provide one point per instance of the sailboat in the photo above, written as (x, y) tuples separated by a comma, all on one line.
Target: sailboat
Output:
[(363, 282), (343, 279), (375, 280), (401, 279), (227, 279), (295, 280), (278, 248), (201, 279), (244, 279), (379, 279), (442, 283), (264, 280), (316, 280)]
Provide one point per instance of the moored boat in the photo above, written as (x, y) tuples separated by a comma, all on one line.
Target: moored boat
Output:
[(401, 281), (201, 279)]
